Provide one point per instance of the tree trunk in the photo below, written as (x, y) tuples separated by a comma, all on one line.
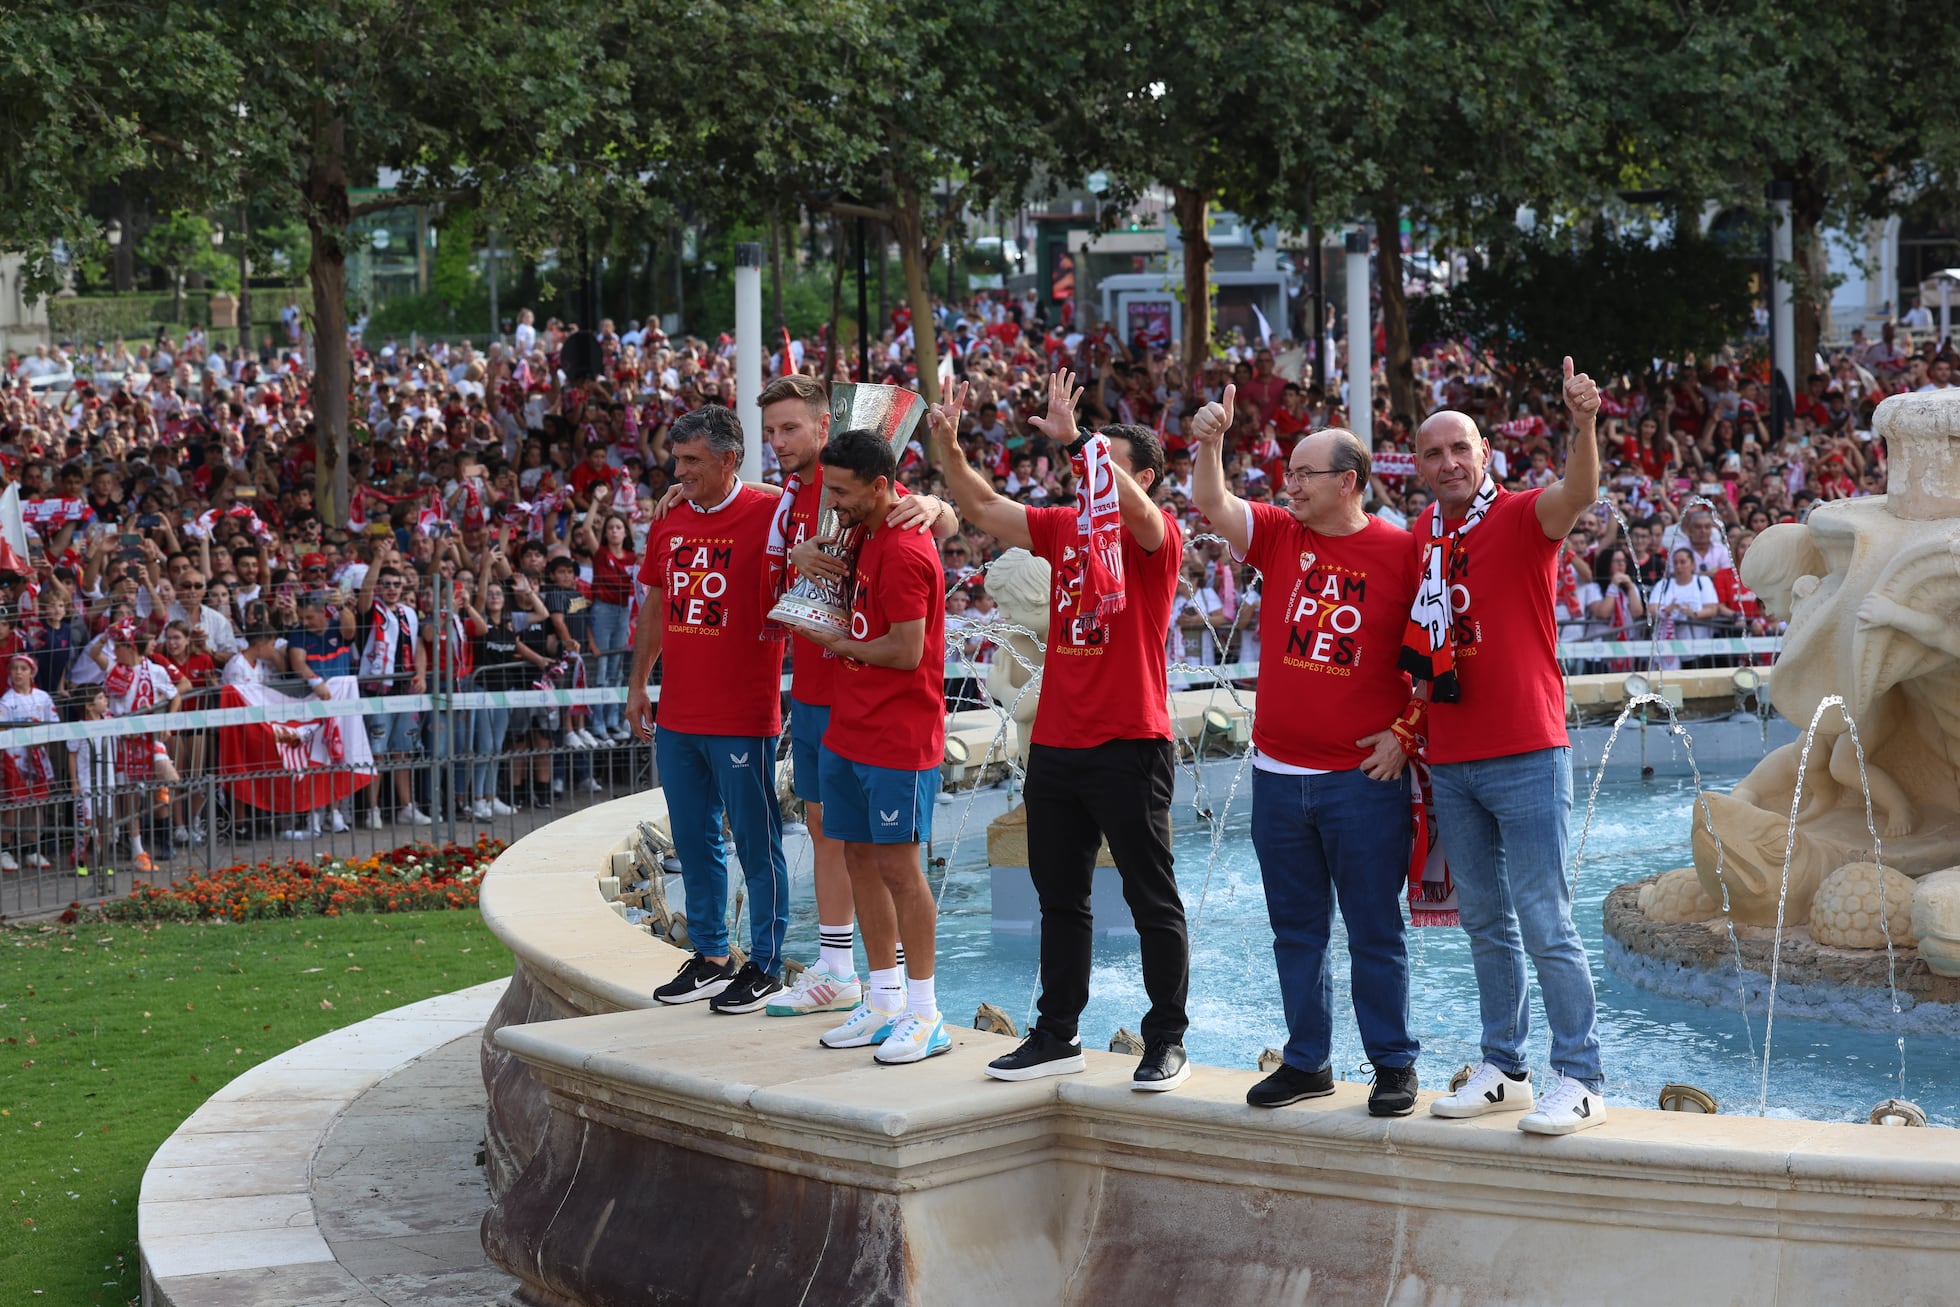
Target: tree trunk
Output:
[(327, 218), (776, 271), (908, 224), (884, 297), (1811, 295), (836, 296), (1193, 210), (245, 280), (1395, 309), (122, 261)]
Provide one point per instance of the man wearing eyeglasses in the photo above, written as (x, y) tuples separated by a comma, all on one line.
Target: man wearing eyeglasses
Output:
[(1330, 799), (191, 609)]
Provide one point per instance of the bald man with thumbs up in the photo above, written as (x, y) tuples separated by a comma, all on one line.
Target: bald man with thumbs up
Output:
[(1482, 636)]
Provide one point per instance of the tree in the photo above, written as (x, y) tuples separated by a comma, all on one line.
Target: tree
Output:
[(182, 246), (1235, 115), (1617, 300), (452, 274)]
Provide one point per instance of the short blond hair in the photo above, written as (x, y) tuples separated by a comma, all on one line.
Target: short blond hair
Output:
[(794, 385)]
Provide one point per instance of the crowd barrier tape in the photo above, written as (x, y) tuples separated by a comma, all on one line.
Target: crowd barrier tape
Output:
[(309, 708)]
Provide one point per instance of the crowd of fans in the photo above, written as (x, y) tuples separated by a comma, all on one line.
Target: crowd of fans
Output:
[(499, 511)]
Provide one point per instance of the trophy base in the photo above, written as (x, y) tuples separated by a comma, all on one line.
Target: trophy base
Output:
[(811, 618)]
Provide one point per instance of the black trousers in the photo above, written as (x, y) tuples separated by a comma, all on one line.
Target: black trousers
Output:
[(1076, 798)]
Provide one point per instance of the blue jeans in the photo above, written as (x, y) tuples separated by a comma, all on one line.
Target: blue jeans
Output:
[(609, 627), (1503, 825), (487, 727), (1321, 838), (703, 776)]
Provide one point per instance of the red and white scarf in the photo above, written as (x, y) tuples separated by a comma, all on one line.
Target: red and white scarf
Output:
[(378, 662), (775, 565), (1098, 531), (1429, 643)]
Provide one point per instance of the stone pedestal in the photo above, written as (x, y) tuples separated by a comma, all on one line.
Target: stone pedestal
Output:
[(1017, 909)]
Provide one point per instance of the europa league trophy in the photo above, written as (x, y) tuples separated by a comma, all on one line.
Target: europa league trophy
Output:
[(892, 412)]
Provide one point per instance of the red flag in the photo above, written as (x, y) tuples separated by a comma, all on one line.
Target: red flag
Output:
[(788, 365), (293, 766)]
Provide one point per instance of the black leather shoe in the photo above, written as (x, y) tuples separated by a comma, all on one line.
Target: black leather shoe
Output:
[(1163, 1067), (1394, 1093), (1290, 1085)]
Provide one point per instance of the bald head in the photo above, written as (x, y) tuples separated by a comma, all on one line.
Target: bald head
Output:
[(1450, 459), (1319, 492)]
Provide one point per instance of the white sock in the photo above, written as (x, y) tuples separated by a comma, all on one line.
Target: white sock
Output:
[(136, 846), (834, 950), (887, 990), (920, 1000)]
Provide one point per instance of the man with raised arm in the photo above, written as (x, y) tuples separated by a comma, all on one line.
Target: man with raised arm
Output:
[(720, 709), (880, 755), (1099, 762), (1330, 797), (796, 423), (1483, 635)]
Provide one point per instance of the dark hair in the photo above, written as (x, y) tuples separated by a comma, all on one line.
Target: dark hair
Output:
[(1146, 451), (795, 385), (864, 454), (714, 424), (1350, 455)]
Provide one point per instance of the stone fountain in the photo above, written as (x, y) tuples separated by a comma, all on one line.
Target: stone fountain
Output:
[(1865, 882)]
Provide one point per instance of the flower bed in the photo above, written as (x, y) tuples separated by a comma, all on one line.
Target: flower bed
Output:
[(412, 878)]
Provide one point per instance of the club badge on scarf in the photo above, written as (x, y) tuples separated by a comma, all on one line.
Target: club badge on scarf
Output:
[(1429, 643), (775, 567), (1099, 532)]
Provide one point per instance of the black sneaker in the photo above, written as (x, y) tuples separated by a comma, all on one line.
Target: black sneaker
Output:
[(1290, 1085), (1163, 1067), (698, 979), (1040, 1054), (752, 988), (1394, 1093)]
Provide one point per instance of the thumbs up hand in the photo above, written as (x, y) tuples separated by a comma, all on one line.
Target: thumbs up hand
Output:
[(1581, 395)]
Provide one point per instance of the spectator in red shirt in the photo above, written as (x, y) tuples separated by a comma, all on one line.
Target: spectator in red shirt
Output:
[(613, 565), (1263, 392)]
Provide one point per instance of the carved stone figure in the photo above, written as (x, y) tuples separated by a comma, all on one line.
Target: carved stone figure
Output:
[(1018, 581), (1871, 590)]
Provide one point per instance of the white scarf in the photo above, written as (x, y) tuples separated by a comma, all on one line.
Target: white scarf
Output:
[(384, 642), (776, 561)]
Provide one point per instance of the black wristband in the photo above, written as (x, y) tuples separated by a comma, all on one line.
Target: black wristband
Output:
[(1074, 447)]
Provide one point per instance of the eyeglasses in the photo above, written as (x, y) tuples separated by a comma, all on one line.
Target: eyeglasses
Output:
[(1298, 475), (192, 585)]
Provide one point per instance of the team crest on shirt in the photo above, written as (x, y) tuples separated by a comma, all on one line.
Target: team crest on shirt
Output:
[(1068, 553), (1307, 560), (677, 542)]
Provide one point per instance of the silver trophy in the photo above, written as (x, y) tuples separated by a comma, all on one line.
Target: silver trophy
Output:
[(893, 412)]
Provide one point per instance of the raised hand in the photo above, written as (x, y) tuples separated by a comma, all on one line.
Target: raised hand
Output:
[(1210, 423), (1063, 395), (944, 421), (1581, 395)]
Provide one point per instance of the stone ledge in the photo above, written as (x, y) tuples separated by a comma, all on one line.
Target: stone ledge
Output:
[(225, 1213)]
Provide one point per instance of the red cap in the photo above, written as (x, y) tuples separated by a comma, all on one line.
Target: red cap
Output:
[(313, 560)]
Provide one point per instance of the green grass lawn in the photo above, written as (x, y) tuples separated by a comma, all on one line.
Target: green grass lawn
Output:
[(115, 1034)]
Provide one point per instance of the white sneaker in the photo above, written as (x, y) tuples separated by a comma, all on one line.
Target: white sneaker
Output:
[(299, 833), (481, 810), (591, 785), (867, 1025), (498, 808), (1567, 1107), (557, 787), (374, 819), (591, 741), (914, 1039), (37, 861), (411, 815), (335, 822), (1487, 1090), (619, 733), (180, 835), (816, 990), (7, 862)]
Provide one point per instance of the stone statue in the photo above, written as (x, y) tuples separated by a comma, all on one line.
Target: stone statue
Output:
[(1018, 581), (1871, 591)]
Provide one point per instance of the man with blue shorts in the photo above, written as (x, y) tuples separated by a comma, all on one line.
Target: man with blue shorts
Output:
[(879, 763), (720, 709)]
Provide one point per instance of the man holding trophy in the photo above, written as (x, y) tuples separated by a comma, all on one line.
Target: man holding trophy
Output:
[(1100, 764), (805, 557), (879, 760)]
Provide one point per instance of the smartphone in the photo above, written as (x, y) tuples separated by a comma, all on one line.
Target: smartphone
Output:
[(380, 529), (148, 520), (246, 492), (130, 540)]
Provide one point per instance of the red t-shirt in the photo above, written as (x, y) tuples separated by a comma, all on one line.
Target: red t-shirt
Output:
[(612, 577), (1501, 586), (585, 476), (881, 716), (1107, 683), (1330, 632), (813, 668), (722, 662), (1265, 393)]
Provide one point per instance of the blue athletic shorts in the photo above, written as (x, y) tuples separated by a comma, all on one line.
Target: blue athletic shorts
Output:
[(807, 723), (877, 805)]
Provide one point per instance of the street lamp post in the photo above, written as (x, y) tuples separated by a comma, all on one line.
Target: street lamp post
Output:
[(1361, 396)]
